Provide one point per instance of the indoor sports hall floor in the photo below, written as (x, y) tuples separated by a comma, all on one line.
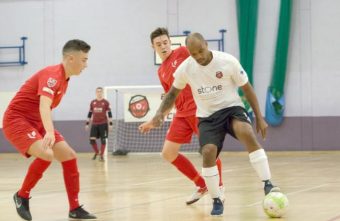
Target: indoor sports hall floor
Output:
[(145, 188)]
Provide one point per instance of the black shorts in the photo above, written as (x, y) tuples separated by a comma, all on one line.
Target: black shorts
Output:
[(213, 129), (99, 131)]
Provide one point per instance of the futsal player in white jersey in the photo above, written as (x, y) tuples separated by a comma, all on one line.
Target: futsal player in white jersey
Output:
[(214, 78)]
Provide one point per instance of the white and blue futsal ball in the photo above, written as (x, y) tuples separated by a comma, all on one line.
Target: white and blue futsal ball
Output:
[(275, 204)]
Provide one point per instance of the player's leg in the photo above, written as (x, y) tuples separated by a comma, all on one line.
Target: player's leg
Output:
[(180, 132), (193, 122), (37, 167), (93, 142), (171, 154), (103, 130), (34, 174), (244, 132), (211, 177), (211, 139), (28, 141), (67, 157)]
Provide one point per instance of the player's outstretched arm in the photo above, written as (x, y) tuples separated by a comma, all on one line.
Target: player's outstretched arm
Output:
[(261, 125), (165, 107)]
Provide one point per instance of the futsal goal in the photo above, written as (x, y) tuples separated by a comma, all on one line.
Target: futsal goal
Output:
[(131, 106)]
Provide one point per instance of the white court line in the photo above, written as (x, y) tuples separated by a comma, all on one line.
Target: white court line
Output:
[(179, 177)]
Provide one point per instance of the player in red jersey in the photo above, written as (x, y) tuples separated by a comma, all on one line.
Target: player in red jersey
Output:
[(28, 125), (184, 123), (100, 115)]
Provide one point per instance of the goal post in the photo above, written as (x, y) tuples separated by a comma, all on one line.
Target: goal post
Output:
[(131, 106)]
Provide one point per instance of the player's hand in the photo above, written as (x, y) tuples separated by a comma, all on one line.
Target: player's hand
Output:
[(110, 127), (156, 121), (261, 126), (48, 140), (86, 127), (146, 127)]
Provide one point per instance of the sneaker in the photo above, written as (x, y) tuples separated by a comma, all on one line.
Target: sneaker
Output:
[(198, 194), (218, 207), (101, 159), (94, 156), (80, 213), (22, 206), (269, 187)]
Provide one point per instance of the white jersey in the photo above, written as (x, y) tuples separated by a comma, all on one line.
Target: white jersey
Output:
[(214, 86)]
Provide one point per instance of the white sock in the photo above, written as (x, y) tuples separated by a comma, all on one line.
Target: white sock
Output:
[(259, 161), (211, 179)]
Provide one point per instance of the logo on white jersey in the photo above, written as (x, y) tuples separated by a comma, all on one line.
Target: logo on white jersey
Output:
[(209, 89), (32, 135), (51, 82), (174, 63), (219, 74)]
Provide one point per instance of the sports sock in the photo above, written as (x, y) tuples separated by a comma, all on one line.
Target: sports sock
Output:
[(34, 173), (211, 178), (259, 161), (95, 147), (71, 179), (187, 168), (102, 149)]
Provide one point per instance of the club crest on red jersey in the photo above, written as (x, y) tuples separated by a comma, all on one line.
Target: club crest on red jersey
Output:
[(174, 63), (139, 106), (219, 74), (51, 82)]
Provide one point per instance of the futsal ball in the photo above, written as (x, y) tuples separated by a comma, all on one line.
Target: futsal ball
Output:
[(275, 204)]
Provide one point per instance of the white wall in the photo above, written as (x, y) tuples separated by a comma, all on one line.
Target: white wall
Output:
[(118, 32)]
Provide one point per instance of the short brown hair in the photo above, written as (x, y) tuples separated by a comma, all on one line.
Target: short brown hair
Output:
[(76, 45), (158, 32)]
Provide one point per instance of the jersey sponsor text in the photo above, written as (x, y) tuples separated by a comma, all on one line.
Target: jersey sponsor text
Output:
[(209, 89)]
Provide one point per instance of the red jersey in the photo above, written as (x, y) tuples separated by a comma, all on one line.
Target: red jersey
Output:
[(185, 105), (99, 108), (50, 82)]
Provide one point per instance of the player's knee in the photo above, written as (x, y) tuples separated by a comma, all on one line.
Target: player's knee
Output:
[(46, 155), (92, 141), (103, 140), (209, 151), (72, 154), (168, 156), (165, 155), (66, 155)]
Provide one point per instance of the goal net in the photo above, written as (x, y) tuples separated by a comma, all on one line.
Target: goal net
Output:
[(132, 105)]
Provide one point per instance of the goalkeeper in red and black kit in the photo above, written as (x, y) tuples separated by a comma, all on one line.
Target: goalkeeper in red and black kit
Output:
[(101, 117)]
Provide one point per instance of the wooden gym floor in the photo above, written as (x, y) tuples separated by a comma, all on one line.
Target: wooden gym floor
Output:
[(145, 188)]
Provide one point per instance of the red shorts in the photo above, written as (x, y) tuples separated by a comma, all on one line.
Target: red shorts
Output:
[(22, 133), (182, 128)]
